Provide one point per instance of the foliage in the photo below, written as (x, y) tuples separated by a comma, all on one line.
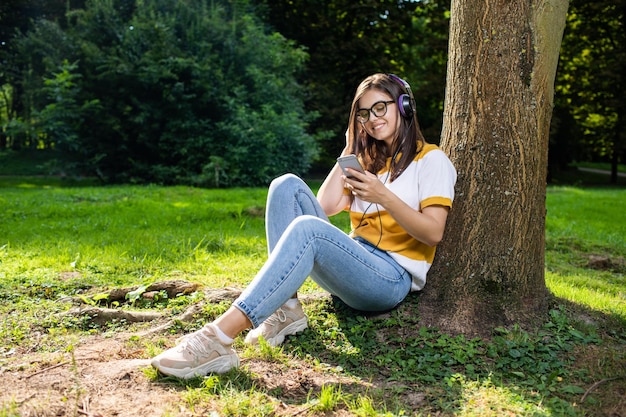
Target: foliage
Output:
[(346, 40), (156, 90), (159, 84)]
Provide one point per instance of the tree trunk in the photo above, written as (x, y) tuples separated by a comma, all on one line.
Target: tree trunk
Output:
[(502, 61), (617, 146), (614, 166)]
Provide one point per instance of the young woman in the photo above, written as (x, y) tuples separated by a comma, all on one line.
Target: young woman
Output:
[(398, 210)]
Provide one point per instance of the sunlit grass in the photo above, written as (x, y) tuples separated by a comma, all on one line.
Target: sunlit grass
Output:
[(588, 218), (329, 398), (582, 223), (580, 289), (132, 234), (485, 399)]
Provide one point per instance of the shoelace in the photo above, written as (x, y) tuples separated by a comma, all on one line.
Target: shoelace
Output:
[(197, 344), (278, 316)]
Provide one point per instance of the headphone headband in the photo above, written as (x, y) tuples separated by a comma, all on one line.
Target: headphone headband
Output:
[(406, 102)]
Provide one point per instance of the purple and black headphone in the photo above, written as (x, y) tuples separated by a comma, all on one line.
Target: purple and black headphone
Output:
[(406, 102)]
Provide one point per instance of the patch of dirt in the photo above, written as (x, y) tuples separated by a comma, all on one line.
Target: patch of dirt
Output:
[(101, 379), (104, 377), (606, 263)]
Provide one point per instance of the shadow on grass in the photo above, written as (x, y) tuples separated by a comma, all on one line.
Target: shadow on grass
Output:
[(404, 367), (34, 182), (394, 352)]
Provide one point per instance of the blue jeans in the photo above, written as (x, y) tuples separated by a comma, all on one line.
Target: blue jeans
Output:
[(302, 243)]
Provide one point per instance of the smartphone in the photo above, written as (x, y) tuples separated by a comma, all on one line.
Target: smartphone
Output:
[(349, 161)]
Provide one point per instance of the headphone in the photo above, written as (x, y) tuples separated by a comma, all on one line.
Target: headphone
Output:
[(406, 102)]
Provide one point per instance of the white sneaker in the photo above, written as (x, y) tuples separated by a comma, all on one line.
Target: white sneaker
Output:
[(198, 354), (284, 322)]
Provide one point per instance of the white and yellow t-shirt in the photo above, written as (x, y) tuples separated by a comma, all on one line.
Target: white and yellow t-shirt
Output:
[(428, 180)]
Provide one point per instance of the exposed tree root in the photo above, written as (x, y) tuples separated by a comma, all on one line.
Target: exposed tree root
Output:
[(103, 315), (212, 296), (172, 288), (100, 315)]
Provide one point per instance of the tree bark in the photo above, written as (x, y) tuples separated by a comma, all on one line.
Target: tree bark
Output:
[(502, 60)]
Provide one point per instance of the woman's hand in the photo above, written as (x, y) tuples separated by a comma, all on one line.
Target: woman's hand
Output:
[(366, 186)]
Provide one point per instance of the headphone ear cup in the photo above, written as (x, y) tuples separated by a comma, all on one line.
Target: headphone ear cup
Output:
[(404, 104)]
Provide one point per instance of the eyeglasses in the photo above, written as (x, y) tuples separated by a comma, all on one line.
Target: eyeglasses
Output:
[(379, 109)]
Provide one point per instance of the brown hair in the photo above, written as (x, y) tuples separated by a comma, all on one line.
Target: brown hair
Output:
[(408, 140)]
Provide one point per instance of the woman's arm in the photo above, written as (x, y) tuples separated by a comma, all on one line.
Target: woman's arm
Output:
[(426, 225), (331, 195)]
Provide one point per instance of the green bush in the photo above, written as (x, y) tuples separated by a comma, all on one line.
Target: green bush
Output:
[(156, 91)]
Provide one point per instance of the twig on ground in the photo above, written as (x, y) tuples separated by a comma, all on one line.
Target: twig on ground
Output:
[(25, 400), (41, 371), (597, 384), (303, 410)]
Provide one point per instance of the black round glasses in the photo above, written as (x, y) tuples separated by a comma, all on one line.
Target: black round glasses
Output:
[(379, 109)]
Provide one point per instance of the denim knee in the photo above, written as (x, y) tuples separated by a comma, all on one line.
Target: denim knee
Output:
[(289, 180)]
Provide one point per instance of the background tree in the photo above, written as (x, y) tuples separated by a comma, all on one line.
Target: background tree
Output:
[(61, 120), (348, 40), (19, 16), (502, 62), (590, 106)]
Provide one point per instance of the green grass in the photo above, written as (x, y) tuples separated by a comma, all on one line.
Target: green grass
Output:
[(61, 238), (123, 235)]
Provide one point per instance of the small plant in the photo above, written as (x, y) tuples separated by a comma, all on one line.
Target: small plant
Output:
[(232, 394), (10, 409), (363, 406), (329, 399), (252, 403), (485, 399)]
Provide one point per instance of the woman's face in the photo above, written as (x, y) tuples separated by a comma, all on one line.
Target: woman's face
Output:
[(380, 125)]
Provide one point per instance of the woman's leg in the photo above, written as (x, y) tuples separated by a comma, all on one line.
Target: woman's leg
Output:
[(288, 197), (362, 276)]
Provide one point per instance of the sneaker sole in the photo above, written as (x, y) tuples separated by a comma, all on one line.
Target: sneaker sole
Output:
[(291, 329), (219, 365)]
